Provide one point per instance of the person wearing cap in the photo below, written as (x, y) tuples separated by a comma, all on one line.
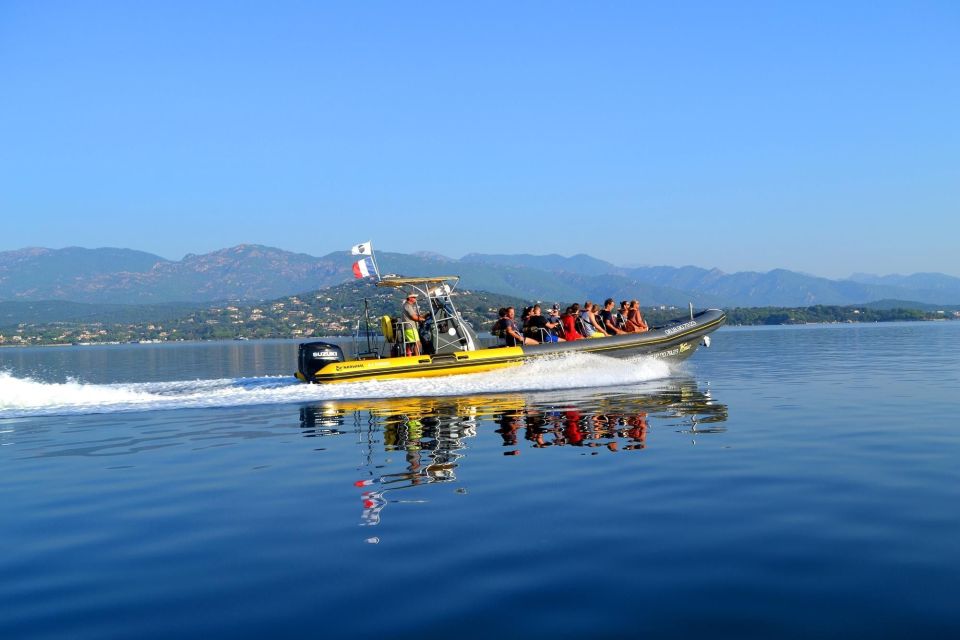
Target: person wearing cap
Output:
[(554, 314), (411, 321)]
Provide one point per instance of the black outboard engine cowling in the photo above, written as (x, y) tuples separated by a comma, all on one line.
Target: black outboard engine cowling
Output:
[(314, 356)]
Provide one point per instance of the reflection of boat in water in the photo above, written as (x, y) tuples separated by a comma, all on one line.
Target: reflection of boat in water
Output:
[(431, 422), (451, 346), (413, 442)]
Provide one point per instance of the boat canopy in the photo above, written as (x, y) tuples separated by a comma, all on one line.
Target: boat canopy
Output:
[(402, 281)]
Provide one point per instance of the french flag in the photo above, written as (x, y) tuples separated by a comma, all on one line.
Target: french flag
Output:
[(362, 268)]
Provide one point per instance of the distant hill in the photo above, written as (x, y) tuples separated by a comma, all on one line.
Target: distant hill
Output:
[(46, 264), (778, 287), (120, 276), (885, 305), (334, 310), (580, 264), (45, 274), (535, 284), (248, 273), (937, 285), (253, 272), (13, 313)]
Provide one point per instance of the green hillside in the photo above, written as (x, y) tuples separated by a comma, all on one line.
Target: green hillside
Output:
[(333, 311)]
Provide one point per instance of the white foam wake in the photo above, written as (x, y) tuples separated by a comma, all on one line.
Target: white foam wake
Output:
[(21, 397)]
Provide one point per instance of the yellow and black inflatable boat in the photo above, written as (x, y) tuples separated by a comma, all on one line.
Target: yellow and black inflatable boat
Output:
[(455, 348)]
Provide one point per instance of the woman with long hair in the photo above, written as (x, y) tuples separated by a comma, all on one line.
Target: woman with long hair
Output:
[(569, 320)]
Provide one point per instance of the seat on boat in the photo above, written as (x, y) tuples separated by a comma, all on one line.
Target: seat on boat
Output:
[(541, 334), (578, 325)]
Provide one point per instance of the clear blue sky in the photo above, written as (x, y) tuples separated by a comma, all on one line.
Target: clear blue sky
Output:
[(816, 136)]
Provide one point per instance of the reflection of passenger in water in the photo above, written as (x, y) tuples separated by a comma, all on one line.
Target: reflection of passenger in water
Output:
[(402, 433), (571, 428), (637, 431), (429, 444), (509, 423), (575, 429)]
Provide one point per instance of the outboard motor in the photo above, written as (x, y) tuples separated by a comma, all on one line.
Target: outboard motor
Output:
[(314, 356)]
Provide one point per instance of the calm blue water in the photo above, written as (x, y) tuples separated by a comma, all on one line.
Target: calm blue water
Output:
[(788, 482)]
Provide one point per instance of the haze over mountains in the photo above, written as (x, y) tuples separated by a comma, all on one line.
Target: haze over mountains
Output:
[(254, 272)]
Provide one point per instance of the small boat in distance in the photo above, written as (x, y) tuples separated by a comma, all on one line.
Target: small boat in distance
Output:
[(451, 346)]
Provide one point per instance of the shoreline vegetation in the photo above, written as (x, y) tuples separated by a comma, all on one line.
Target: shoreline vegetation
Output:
[(318, 314)]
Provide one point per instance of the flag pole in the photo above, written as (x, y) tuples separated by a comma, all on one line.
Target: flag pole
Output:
[(366, 317), (373, 258), (361, 250)]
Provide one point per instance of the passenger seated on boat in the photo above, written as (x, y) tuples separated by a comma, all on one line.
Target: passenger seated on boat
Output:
[(525, 316), (498, 326), (635, 321), (586, 327), (591, 327), (620, 317), (525, 319), (569, 321), (577, 320), (606, 318), (554, 314), (512, 334), (539, 328)]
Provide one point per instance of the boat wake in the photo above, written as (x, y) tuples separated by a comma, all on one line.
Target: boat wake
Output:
[(25, 397)]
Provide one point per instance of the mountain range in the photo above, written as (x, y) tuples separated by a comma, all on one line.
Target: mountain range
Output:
[(255, 272)]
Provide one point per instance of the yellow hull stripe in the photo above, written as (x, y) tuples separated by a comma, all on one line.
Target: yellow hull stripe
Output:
[(421, 366)]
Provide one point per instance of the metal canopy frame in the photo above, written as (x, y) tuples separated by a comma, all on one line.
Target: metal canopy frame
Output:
[(436, 290)]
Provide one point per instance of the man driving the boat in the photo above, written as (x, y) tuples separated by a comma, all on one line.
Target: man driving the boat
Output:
[(411, 322)]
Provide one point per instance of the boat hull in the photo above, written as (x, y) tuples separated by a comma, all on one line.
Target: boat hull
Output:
[(674, 341)]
